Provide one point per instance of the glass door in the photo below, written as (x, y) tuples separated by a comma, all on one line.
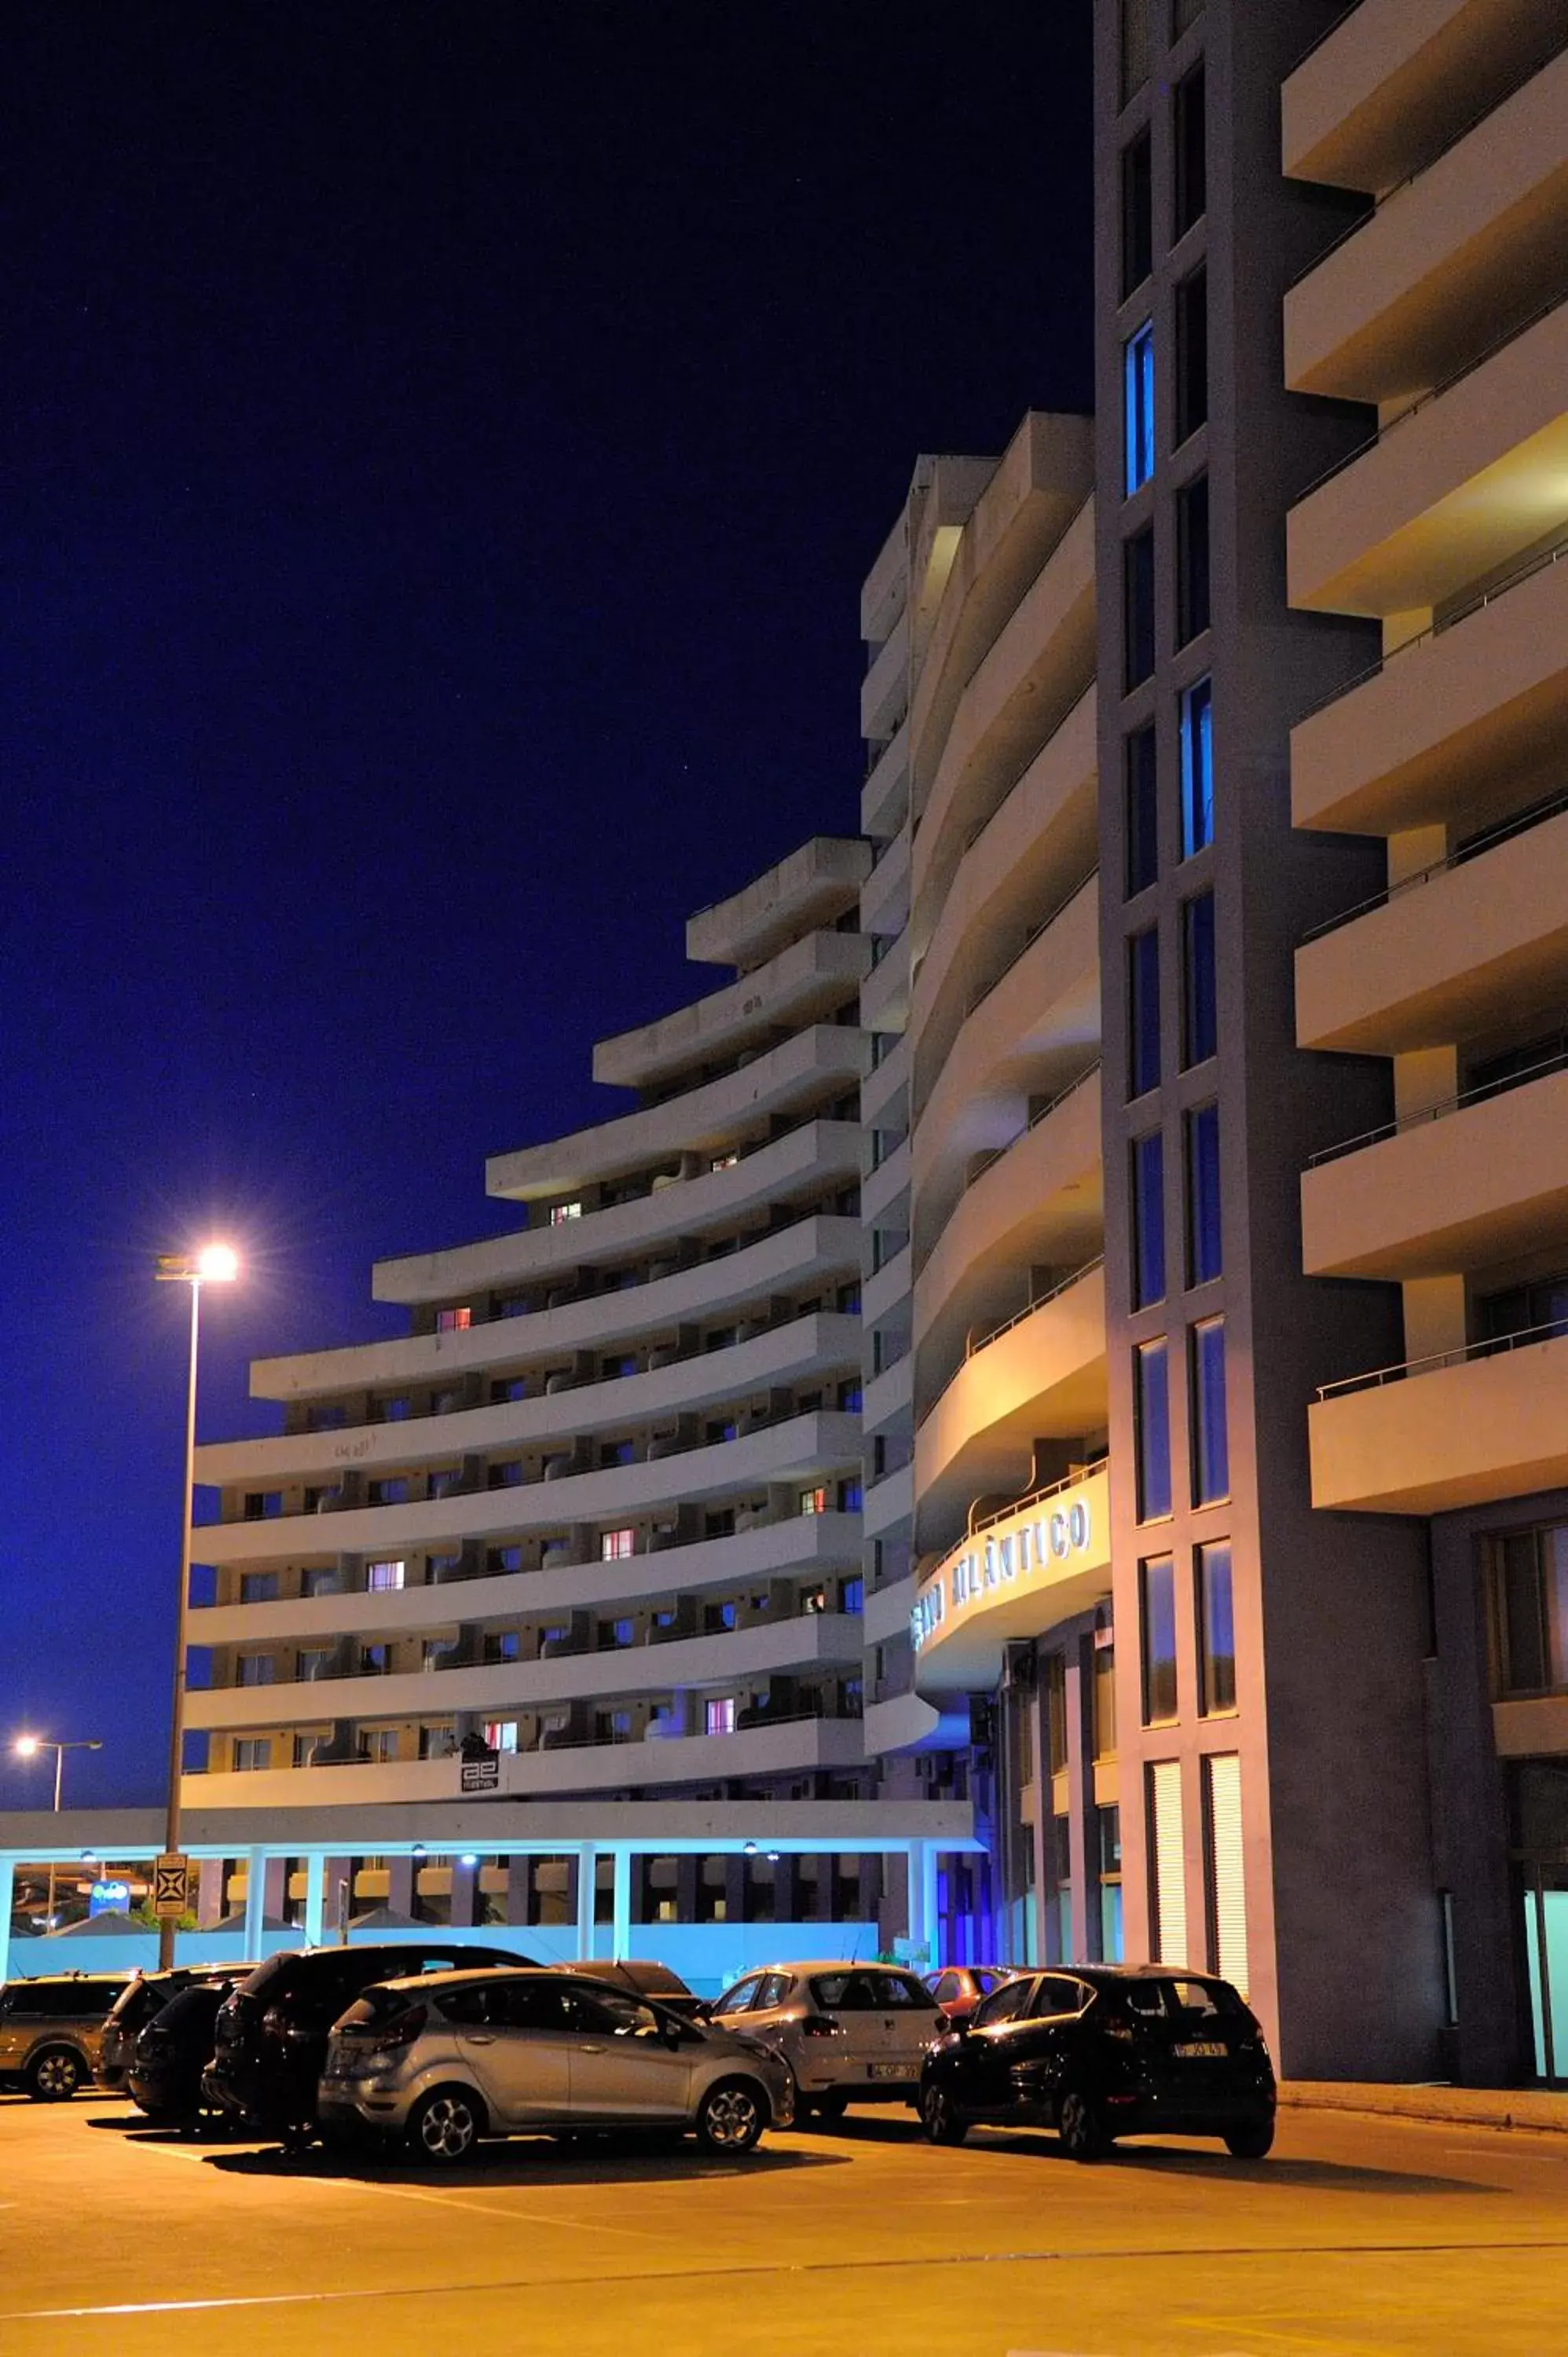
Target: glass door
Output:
[(1546, 1955)]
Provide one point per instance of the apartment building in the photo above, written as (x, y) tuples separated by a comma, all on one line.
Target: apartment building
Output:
[(593, 1526), (1443, 315)]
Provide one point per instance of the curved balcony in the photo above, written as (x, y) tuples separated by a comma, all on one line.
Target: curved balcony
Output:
[(803, 1640), (1446, 956), (802, 985), (884, 895), (1042, 1377), (885, 691), (889, 1396), (792, 1351), (1451, 727), (1036, 1027), (806, 1447), (791, 1747), (1466, 1430), (884, 1090), (884, 1190), (701, 1120), (1023, 857), (889, 1502), (885, 797), (1033, 499), (1029, 679), (819, 1245), (1475, 236), (799, 1545), (883, 1291), (1468, 483), (1485, 1184), (907, 1722), (1041, 1203), (884, 992)]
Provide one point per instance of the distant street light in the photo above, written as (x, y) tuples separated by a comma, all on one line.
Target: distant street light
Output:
[(27, 1747), (213, 1264)]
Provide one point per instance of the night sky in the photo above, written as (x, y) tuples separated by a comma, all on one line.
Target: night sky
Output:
[(442, 447)]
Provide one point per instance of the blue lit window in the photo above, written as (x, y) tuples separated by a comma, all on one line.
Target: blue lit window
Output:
[(1143, 1012), (1204, 1253), (1211, 1444), (1148, 1219), (1138, 386), (1200, 1001), (625, 1632), (1159, 1653), (1151, 1409), (1196, 768)]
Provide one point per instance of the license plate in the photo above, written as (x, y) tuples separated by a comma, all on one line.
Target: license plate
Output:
[(1202, 2049), (887, 2071)]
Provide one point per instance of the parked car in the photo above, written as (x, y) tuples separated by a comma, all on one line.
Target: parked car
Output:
[(174, 2049), (137, 2003), (270, 2038), (438, 2061), (959, 1989), (850, 2033), (51, 2029), (1102, 2052), (642, 1978)]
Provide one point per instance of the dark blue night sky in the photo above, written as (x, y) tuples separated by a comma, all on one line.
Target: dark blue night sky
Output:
[(442, 445)]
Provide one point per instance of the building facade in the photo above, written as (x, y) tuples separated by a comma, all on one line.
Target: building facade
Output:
[(593, 1527)]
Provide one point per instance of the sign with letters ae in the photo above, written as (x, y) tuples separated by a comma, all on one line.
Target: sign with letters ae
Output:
[(480, 1775), (171, 1877)]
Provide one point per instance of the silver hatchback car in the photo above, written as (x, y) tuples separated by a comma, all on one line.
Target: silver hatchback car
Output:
[(440, 2060), (850, 2033)]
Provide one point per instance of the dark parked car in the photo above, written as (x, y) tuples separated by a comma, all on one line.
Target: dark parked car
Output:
[(641, 1976), (138, 2001), (960, 1989), (1102, 2052), (271, 2032), (174, 2049)]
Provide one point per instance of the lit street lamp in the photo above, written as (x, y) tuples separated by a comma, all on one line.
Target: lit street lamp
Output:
[(213, 1264), (27, 1747)]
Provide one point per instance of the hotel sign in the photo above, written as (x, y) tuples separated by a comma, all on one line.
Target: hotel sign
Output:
[(1028, 1570)]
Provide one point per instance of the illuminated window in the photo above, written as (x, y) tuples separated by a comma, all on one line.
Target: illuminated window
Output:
[(719, 1715), (1148, 1219), (725, 1161), (385, 1574), (560, 1213), (1157, 1582), (1211, 1442), (1204, 1253), (500, 1734), (381, 1743), (452, 1321), (814, 1501), (1215, 1631), (1196, 768), (625, 1632), (1138, 397), (615, 1544), (1143, 1012), (392, 1491), (315, 1661), (1151, 1429), (253, 1751)]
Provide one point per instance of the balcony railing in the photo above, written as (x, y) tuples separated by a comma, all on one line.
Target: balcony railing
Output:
[(1471, 849), (1030, 938), (975, 1345), (1037, 1497), (1489, 1349), (985, 1161), (1440, 1112)]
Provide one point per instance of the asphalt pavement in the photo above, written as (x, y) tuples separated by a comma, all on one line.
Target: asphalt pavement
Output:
[(1357, 2234)]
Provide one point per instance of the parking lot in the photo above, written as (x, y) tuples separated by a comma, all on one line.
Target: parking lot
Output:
[(1355, 2234)]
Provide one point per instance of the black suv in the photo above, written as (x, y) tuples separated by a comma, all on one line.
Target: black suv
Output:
[(174, 2049), (1103, 2051), (271, 2032), (136, 2005)]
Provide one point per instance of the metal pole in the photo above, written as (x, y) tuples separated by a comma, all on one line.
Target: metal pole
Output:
[(168, 1927), (60, 1772)]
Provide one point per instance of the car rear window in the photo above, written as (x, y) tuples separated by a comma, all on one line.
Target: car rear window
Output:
[(902, 1989), (378, 2004), (1195, 2000)]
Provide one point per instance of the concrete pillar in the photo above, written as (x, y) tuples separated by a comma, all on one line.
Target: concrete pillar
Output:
[(211, 1874), (465, 1894), (620, 1905), (587, 1884), (315, 1899), (641, 1906), (688, 1874), (258, 1874), (276, 1887), (519, 1887), (821, 1888), (400, 1872), (787, 1888), (735, 1889), (7, 1900), (337, 1897), (1082, 1862)]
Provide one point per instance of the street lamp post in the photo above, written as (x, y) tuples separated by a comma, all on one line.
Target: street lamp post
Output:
[(214, 1265), (27, 1747)]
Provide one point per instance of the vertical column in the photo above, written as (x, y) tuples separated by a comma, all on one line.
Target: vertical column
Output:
[(255, 1900), (337, 1895), (210, 1877), (621, 1909), (315, 1898), (587, 1884), (916, 1911), (925, 1864), (400, 1872), (465, 1894), (1082, 1864), (7, 1898), (1037, 1931), (518, 1887)]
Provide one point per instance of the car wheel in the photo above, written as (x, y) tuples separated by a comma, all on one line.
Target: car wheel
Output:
[(731, 2116), (1251, 2142), (827, 2109), (939, 2116), (1080, 2127), (55, 2076), (445, 2127)]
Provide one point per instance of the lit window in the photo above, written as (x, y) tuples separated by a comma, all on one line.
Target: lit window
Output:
[(1204, 1253), (615, 1545), (508, 1476), (452, 1321), (1211, 1444), (385, 1574), (1215, 1631), (317, 1579), (1138, 394), (560, 1213), (1148, 1219), (381, 1743), (725, 1161), (1200, 999), (394, 1411), (852, 1595), (392, 1492), (1158, 1600), (1143, 1012), (262, 1505), (504, 1558), (814, 1501), (719, 1717), (851, 1497), (625, 1632), (253, 1751), (1196, 768), (315, 1661), (500, 1734)]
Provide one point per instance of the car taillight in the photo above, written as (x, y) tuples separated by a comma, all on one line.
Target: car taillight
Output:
[(389, 2038), (819, 2025)]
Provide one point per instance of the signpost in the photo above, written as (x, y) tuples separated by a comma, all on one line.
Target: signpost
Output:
[(171, 1874)]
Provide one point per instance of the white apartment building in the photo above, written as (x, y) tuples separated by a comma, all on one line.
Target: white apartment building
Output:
[(596, 1520)]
